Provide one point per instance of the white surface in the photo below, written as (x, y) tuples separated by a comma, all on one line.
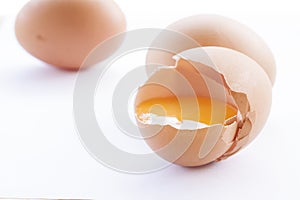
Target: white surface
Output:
[(41, 155)]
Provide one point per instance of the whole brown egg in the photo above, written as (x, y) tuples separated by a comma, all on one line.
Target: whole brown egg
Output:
[(63, 32)]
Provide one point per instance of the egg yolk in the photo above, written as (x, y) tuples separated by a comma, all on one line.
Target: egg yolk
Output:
[(200, 109)]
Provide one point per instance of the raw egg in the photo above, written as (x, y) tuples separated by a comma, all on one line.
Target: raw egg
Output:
[(206, 103), (63, 32)]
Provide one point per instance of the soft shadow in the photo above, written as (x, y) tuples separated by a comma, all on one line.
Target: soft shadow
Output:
[(179, 170), (200, 168), (44, 72), (175, 171), (177, 176), (41, 78)]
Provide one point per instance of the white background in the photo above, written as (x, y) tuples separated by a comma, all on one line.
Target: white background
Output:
[(41, 154)]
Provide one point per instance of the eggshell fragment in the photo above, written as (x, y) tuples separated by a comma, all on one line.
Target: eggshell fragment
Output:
[(213, 30), (243, 75), (63, 32)]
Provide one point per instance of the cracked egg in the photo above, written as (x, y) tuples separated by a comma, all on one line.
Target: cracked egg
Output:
[(199, 111)]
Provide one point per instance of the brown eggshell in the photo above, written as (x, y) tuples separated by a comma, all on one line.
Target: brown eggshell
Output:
[(246, 87), (63, 32), (243, 75), (213, 30), (186, 147), (189, 147), (183, 147)]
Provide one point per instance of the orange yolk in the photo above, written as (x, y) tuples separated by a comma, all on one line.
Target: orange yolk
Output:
[(200, 109)]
